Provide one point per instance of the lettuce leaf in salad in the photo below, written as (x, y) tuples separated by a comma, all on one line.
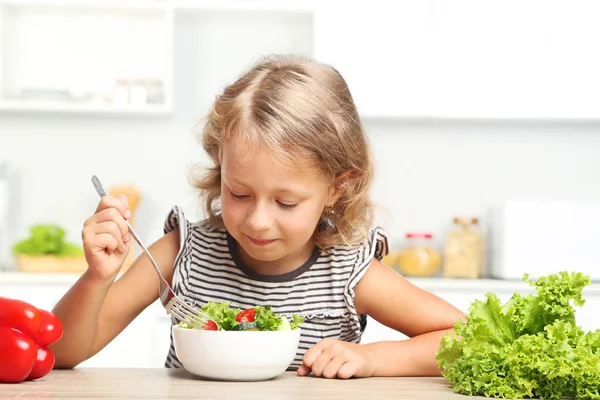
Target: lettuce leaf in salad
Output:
[(528, 347), (266, 320), (222, 314), (296, 321)]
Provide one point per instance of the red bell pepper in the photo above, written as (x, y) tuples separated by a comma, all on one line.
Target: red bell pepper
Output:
[(25, 334), (17, 355), (51, 330)]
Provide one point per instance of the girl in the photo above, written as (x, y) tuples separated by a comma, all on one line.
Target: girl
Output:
[(289, 224)]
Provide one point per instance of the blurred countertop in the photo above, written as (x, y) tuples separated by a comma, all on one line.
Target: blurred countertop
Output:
[(430, 284)]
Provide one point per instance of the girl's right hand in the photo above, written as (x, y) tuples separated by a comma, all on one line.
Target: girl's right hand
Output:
[(106, 238)]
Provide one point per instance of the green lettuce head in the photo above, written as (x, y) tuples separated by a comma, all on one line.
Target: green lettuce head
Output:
[(528, 347)]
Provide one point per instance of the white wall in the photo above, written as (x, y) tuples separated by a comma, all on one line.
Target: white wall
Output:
[(427, 170), (430, 172)]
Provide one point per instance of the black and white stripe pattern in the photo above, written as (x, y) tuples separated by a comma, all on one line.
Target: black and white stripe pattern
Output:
[(208, 268)]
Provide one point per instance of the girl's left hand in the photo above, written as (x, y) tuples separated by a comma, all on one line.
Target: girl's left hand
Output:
[(332, 358)]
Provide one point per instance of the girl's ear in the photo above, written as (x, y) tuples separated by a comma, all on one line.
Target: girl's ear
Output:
[(338, 186)]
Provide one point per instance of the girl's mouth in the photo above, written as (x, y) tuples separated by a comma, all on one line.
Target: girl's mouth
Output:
[(260, 242)]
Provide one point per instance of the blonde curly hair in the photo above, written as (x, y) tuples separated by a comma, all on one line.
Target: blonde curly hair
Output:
[(300, 110)]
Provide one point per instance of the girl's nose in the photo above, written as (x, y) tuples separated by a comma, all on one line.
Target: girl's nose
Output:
[(259, 219)]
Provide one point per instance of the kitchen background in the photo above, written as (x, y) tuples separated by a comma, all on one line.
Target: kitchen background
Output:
[(486, 110), (463, 114)]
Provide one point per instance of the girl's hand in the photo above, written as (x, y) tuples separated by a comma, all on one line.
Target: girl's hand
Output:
[(332, 358), (106, 238)]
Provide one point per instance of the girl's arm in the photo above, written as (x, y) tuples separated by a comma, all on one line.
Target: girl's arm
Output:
[(390, 299), (94, 312)]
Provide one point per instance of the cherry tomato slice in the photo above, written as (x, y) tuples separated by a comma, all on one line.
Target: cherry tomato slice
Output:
[(210, 326), (248, 315)]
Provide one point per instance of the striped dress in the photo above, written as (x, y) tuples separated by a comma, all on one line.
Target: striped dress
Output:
[(209, 268)]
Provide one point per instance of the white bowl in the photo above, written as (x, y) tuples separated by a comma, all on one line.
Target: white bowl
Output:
[(236, 356)]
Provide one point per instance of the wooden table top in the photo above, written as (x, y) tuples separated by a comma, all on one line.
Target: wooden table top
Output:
[(167, 383)]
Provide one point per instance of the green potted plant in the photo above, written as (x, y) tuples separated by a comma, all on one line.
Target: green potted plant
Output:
[(46, 250)]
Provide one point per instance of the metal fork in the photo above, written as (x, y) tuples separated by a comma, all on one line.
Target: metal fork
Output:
[(173, 304)]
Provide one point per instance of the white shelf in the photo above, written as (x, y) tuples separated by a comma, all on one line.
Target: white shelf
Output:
[(307, 6), (182, 5), (24, 106), (96, 4), (430, 284), (487, 285), (18, 278)]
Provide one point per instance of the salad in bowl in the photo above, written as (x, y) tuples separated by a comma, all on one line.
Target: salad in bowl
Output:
[(259, 318), (238, 344)]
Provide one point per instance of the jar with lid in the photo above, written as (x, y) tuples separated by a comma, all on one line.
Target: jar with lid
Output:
[(464, 250), (419, 257)]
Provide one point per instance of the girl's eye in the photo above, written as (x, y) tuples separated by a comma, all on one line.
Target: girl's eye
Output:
[(237, 196), (244, 196), (286, 206)]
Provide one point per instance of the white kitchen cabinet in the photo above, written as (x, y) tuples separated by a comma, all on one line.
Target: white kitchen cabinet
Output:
[(512, 59), (382, 50), (116, 56), (86, 57), (465, 59)]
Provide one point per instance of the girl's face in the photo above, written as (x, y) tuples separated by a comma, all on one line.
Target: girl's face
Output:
[(271, 210)]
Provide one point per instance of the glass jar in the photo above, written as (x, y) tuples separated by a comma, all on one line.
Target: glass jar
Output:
[(419, 257), (464, 251)]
